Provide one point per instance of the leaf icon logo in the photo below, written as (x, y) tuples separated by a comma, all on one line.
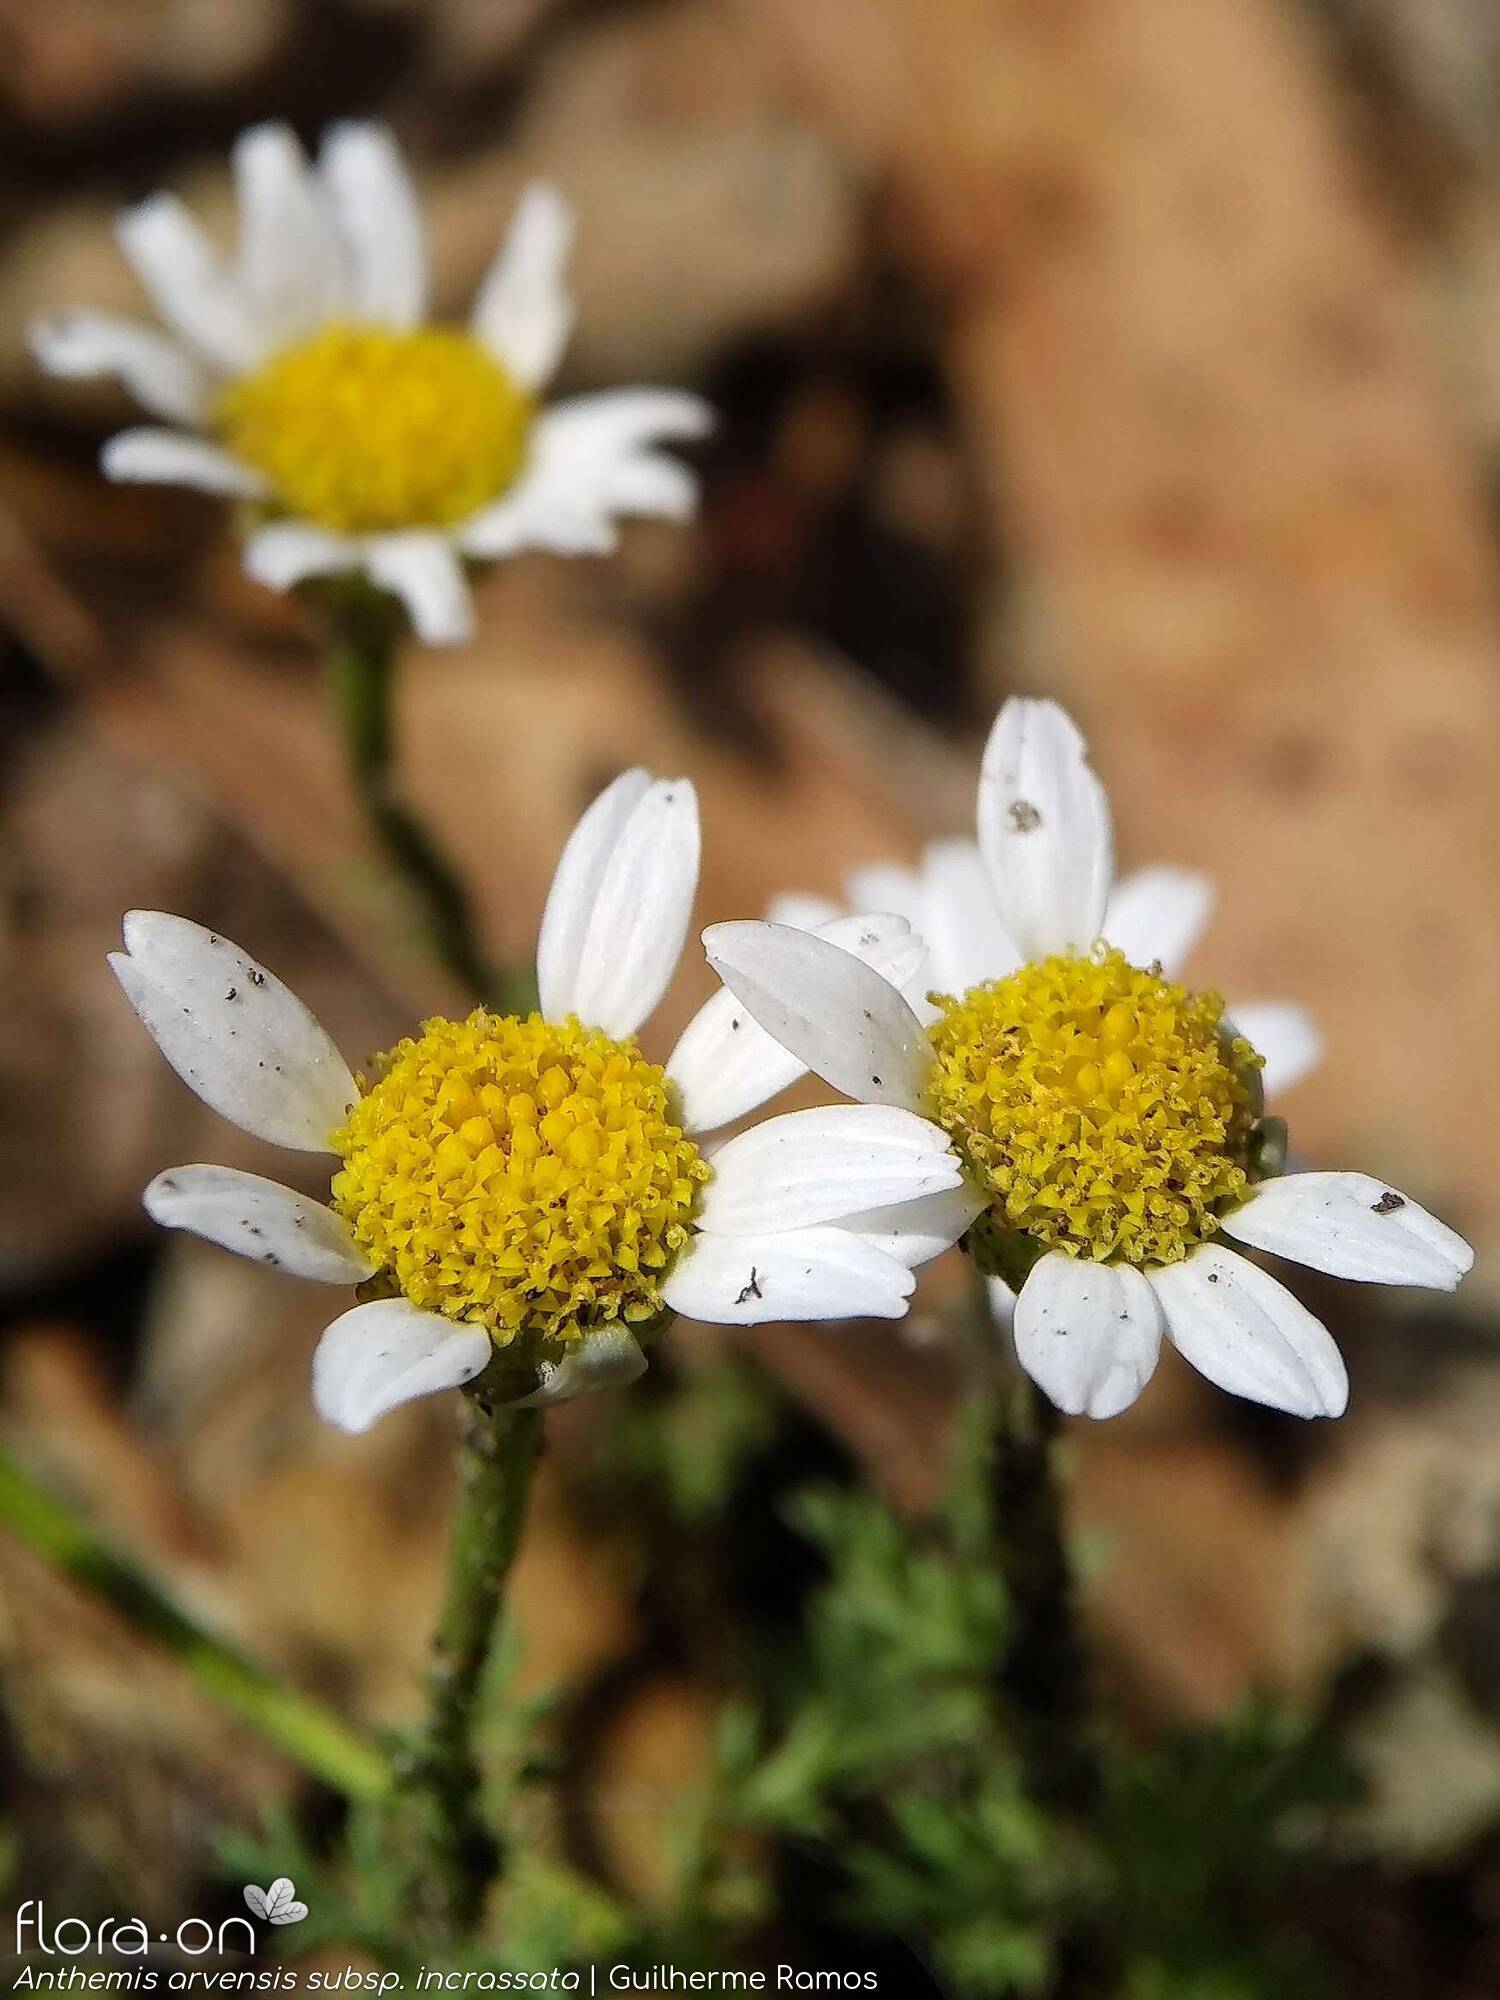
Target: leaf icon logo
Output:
[(278, 1904)]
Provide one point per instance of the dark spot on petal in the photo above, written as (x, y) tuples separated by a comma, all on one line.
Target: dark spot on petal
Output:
[(232, 993), (1388, 1203), (735, 1024), (875, 1079), (1024, 817), (255, 975), (1213, 1277), (751, 1291)]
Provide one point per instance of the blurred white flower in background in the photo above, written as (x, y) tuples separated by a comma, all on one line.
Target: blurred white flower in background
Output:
[(302, 379)]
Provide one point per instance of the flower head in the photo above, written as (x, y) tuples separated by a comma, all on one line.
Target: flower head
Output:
[(1111, 1121), (523, 1174), (1107, 1111), (301, 378), (533, 1197)]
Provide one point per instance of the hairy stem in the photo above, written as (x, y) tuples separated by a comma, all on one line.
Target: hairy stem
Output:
[(364, 629), (1046, 1677), (459, 1856), (1047, 1673), (309, 1734)]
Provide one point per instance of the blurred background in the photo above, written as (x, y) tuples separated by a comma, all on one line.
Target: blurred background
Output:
[(1146, 356)]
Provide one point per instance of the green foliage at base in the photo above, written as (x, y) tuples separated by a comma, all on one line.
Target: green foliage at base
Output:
[(873, 1794), (891, 1745)]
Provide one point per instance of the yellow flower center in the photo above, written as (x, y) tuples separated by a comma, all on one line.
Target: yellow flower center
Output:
[(1105, 1110), (526, 1176), (362, 429)]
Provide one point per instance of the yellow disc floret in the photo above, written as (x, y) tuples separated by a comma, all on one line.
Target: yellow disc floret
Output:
[(526, 1176), (362, 429), (1105, 1109)]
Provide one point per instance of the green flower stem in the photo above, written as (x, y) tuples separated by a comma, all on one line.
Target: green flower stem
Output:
[(365, 628), (1046, 1677), (301, 1729), (458, 1853), (1047, 1673)]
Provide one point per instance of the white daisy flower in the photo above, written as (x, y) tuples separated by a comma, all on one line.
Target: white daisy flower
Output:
[(534, 1194), (301, 378), (1111, 1121)]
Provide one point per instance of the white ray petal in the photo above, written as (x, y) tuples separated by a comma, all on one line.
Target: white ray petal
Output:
[(1088, 1334), (524, 313), (803, 910), (581, 473), (163, 377), (968, 942), (914, 1232), (948, 903), (185, 278), (575, 890), (173, 458), (540, 512), (379, 217), (423, 570), (881, 886), (259, 1219), (290, 266), (650, 486), (1044, 830), (1286, 1035), (233, 1032), (285, 553), (610, 1359), (1352, 1226), (640, 912), (810, 1274), (1002, 1304), (829, 1009), (377, 1356), (1158, 915), (727, 1064), (1247, 1333), (808, 1167), (885, 885)]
